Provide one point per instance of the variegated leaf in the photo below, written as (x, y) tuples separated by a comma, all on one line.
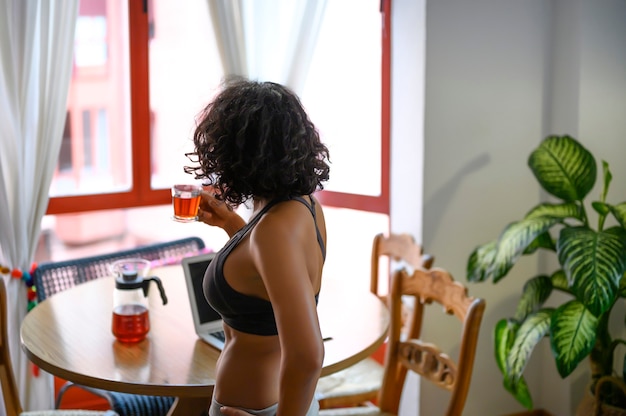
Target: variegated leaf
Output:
[(565, 210), (535, 293), (543, 240), (572, 335), (619, 212), (530, 332), (563, 167), (503, 336), (520, 391), (601, 207), (607, 177), (559, 281), (594, 263), (480, 261), (513, 242)]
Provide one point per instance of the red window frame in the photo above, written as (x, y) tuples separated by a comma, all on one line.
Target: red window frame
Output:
[(141, 193), (379, 204)]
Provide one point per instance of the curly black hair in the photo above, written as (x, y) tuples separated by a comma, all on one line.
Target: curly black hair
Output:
[(255, 140)]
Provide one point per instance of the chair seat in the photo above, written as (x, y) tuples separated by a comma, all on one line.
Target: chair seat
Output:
[(363, 378)]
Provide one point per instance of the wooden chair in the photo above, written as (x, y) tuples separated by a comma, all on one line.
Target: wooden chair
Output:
[(10, 394), (54, 277), (362, 381), (397, 247), (425, 358)]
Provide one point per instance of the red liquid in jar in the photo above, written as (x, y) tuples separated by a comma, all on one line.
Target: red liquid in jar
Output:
[(130, 323)]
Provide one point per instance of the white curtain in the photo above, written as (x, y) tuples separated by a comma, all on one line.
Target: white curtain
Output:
[(269, 40), (36, 47), (228, 27)]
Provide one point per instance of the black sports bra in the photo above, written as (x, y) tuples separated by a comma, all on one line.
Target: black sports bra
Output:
[(246, 313)]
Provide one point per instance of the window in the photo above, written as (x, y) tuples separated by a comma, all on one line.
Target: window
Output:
[(127, 132), (185, 71), (347, 68), (360, 141)]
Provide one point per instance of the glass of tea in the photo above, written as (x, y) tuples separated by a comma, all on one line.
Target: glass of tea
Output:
[(186, 200)]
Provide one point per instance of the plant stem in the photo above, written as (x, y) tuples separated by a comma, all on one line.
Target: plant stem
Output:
[(583, 213), (601, 357)]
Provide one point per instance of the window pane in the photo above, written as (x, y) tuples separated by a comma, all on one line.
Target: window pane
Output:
[(343, 91), (95, 153), (185, 70)]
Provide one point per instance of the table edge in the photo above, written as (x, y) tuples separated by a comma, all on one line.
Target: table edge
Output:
[(172, 390)]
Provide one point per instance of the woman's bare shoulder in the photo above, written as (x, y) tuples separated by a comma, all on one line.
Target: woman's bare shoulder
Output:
[(287, 221)]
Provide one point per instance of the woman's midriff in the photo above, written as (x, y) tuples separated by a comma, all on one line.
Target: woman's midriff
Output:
[(248, 370)]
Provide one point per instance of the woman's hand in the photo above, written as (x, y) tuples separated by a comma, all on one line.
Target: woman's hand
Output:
[(232, 411), (217, 213), (212, 211)]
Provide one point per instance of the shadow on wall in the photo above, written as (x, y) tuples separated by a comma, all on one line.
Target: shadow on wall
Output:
[(436, 206)]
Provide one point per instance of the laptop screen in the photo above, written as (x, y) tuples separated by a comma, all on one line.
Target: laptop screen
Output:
[(205, 312)]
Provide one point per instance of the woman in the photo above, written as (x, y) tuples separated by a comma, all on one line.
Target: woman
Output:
[(255, 142)]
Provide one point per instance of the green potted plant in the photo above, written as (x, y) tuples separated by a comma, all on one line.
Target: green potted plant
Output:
[(592, 261)]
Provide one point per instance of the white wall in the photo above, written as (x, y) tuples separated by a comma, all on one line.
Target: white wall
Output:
[(407, 132), (499, 76)]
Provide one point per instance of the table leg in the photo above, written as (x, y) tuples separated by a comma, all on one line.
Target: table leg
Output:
[(190, 406)]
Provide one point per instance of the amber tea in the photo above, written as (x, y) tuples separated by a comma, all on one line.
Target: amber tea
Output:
[(130, 323), (186, 200)]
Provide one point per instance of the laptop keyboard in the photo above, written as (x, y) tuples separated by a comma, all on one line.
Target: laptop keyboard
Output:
[(219, 335)]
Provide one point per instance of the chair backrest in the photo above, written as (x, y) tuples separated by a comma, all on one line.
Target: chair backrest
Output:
[(426, 359), (53, 277), (10, 393), (397, 247)]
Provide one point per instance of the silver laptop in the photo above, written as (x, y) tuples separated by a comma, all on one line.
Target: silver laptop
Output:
[(206, 320)]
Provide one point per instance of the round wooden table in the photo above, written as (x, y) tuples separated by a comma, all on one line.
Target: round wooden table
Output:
[(69, 335)]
